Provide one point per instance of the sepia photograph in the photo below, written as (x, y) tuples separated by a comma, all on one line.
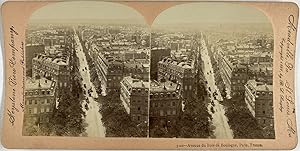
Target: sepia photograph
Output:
[(180, 75), (211, 67), (200, 70), (87, 73)]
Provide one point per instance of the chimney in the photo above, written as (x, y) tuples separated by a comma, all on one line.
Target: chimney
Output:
[(40, 83), (143, 85)]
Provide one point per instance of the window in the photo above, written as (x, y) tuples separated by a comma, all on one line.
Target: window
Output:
[(138, 118), (48, 101), (30, 101), (42, 110), (161, 113), (34, 110), (169, 112), (139, 108), (35, 101), (47, 109), (173, 103), (29, 111), (174, 112), (264, 112)]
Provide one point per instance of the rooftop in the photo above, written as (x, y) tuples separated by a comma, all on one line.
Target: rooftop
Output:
[(43, 83), (260, 86), (136, 83), (56, 59), (167, 86), (187, 64), (159, 48), (262, 67)]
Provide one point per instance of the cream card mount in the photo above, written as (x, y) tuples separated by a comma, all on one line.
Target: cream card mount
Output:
[(149, 75)]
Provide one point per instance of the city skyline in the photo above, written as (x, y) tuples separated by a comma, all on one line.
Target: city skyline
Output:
[(180, 14), (99, 80), (87, 11)]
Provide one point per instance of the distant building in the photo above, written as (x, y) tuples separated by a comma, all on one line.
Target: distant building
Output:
[(109, 68), (31, 51), (157, 54), (259, 100), (137, 69), (52, 40), (53, 67), (135, 55), (240, 64), (261, 58), (40, 99), (112, 66), (239, 77), (134, 95), (181, 72), (165, 100), (262, 72)]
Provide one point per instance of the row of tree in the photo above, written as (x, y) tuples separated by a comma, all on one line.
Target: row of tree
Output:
[(117, 122), (68, 120), (243, 124)]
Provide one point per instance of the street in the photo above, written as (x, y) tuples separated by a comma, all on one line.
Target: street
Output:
[(95, 126), (219, 120)]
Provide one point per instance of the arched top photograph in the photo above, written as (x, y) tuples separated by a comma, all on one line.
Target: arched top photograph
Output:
[(92, 67)]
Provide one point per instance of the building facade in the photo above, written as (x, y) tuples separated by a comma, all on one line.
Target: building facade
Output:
[(157, 54), (112, 67), (165, 100), (135, 98), (137, 69), (53, 67), (109, 68), (31, 51), (259, 100), (181, 72), (40, 100), (236, 69)]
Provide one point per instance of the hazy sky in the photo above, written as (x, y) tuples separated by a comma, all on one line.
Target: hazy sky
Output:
[(201, 12), (211, 13), (86, 10)]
